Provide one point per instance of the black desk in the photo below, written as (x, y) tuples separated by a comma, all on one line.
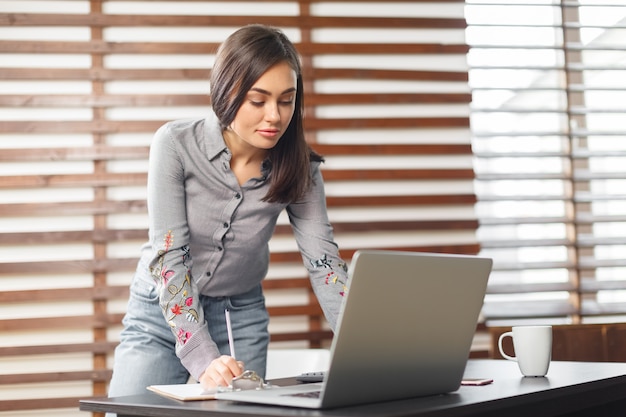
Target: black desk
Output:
[(570, 389)]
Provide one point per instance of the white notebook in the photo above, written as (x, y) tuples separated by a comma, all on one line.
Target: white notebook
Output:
[(184, 392)]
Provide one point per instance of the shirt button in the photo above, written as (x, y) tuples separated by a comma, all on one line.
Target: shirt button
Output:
[(237, 196), (225, 225), (208, 274), (219, 248)]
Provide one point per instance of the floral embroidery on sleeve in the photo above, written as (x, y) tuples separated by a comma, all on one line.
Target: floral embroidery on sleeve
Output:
[(331, 278), (179, 301), (182, 336)]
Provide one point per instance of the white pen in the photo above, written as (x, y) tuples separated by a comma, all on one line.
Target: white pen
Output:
[(229, 329)]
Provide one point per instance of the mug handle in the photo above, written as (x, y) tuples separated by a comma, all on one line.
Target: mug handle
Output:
[(502, 336)]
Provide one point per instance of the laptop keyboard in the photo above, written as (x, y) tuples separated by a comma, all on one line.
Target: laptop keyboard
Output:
[(311, 376), (310, 394)]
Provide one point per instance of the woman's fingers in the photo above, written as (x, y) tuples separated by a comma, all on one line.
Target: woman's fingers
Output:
[(221, 372)]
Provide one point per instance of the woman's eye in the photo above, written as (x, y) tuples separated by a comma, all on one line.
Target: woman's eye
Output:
[(257, 103), (286, 102)]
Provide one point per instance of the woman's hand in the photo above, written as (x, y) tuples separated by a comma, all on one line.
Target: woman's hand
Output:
[(221, 372)]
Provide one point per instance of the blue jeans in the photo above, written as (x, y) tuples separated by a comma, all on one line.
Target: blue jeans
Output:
[(146, 355)]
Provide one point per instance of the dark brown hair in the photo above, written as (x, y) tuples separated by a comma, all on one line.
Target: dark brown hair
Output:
[(241, 60)]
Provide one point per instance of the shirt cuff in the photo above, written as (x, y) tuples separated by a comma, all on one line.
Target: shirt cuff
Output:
[(198, 353)]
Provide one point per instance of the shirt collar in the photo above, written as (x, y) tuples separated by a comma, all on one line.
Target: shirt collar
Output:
[(215, 145), (213, 139)]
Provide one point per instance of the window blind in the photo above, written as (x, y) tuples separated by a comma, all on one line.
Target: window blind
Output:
[(549, 136)]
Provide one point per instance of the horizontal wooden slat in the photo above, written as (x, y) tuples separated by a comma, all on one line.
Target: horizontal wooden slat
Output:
[(150, 126), (470, 248), (64, 294), (97, 101), (409, 200), (94, 375), (408, 174), (102, 321), (104, 152), (384, 74), (286, 283), (109, 347), (51, 349), (395, 225), (139, 206), (393, 149), (103, 47), (101, 74), (59, 323), (372, 123), (138, 100), (40, 403), (129, 264), (117, 291), (109, 179), (388, 98), (304, 22), (108, 236), (305, 2), (74, 208), (87, 153), (129, 179), (449, 2), (439, 225), (311, 335), (296, 310), (98, 126), (592, 342), (92, 236), (73, 266)]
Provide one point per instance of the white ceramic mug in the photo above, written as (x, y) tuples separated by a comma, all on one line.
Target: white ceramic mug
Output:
[(533, 348)]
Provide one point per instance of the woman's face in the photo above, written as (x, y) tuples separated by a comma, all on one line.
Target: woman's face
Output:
[(268, 108)]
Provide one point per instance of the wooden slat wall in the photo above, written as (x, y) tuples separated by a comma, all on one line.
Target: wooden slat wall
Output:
[(387, 104), (594, 342)]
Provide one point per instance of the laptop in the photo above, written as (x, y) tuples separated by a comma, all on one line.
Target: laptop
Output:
[(405, 330)]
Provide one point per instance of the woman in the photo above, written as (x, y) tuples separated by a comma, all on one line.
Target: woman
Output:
[(215, 189)]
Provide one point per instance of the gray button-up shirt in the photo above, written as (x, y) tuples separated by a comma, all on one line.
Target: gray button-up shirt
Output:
[(209, 235)]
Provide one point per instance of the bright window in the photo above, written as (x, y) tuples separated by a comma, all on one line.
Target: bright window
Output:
[(549, 135)]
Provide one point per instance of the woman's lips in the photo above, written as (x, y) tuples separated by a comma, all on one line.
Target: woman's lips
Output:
[(268, 133)]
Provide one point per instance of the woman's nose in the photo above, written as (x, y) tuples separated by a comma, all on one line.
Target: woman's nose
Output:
[(271, 113)]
